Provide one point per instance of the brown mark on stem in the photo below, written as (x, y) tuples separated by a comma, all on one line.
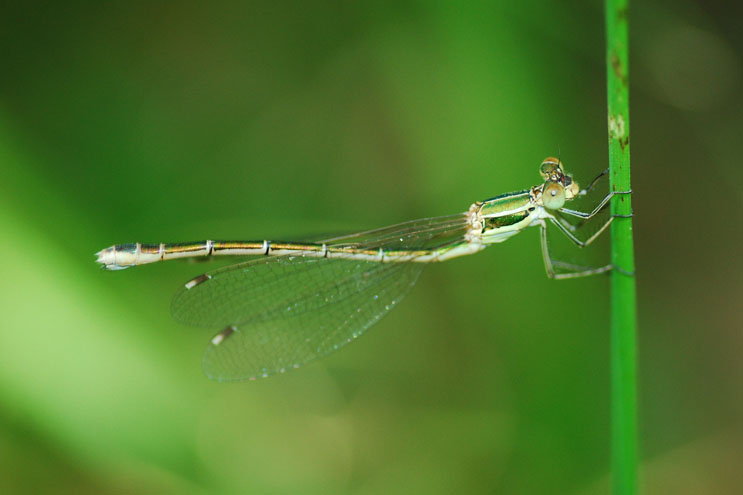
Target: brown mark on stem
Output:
[(618, 131), (622, 14), (618, 68)]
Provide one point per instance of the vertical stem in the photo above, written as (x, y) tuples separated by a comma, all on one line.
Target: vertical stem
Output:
[(623, 304)]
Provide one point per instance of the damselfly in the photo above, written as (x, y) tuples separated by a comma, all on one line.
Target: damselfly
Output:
[(302, 300)]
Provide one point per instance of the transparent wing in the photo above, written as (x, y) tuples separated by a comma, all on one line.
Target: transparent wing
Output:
[(241, 292), (285, 311), (426, 233), (309, 308)]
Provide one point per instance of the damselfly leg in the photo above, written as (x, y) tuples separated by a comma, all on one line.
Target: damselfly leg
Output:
[(558, 269), (584, 216), (578, 234)]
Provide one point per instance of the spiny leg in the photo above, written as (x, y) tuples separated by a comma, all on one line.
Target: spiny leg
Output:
[(574, 227), (566, 229), (572, 231), (584, 192), (594, 182), (586, 216), (598, 208), (574, 271)]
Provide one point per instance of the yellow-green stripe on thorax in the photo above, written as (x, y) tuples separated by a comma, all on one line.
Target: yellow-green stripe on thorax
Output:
[(506, 215)]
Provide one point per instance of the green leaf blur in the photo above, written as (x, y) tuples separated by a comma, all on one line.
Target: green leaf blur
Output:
[(152, 122)]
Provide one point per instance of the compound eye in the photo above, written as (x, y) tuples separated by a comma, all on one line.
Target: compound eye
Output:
[(553, 196), (551, 169)]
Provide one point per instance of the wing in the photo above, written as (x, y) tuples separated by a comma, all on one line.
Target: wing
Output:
[(243, 292), (281, 312), (426, 233), (310, 308)]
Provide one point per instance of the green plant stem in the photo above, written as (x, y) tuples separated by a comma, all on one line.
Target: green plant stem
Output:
[(623, 303)]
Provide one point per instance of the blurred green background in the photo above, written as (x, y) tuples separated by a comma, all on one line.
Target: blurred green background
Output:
[(180, 121)]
